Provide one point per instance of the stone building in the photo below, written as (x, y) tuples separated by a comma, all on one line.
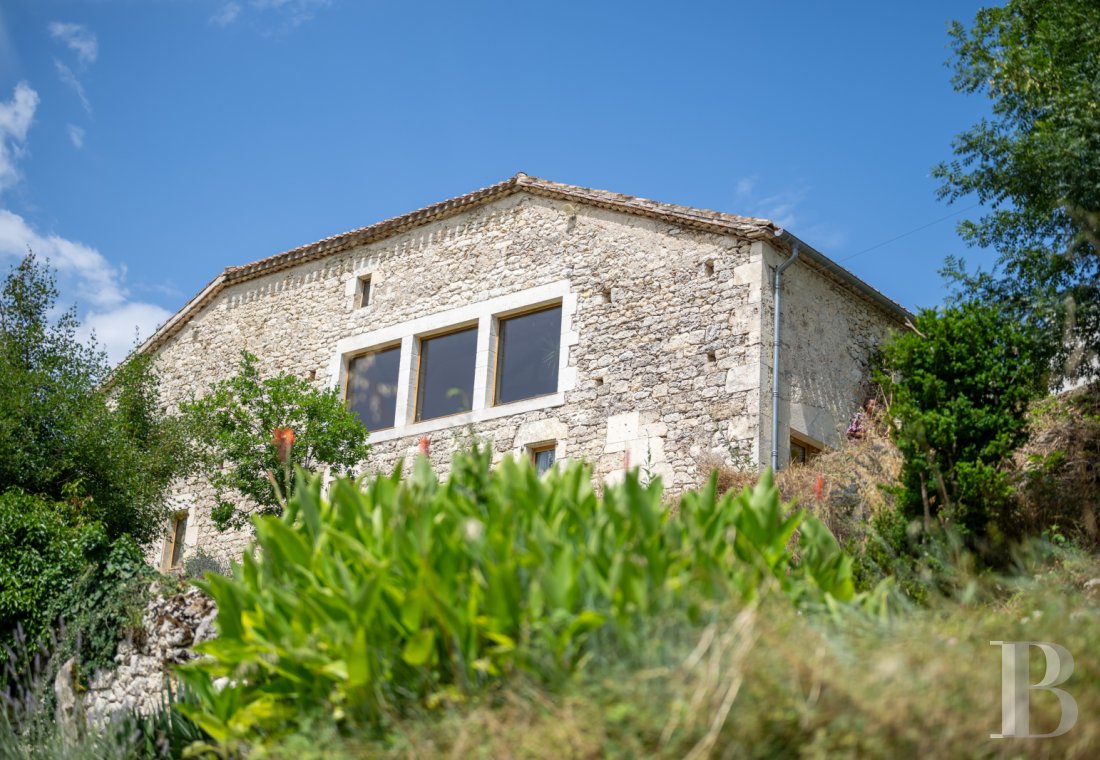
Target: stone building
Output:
[(559, 322)]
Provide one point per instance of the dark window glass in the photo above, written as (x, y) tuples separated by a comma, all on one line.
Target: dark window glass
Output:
[(364, 292), (527, 355), (446, 379), (798, 453), (544, 459), (372, 387)]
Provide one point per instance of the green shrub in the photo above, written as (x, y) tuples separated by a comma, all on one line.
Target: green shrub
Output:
[(408, 592), (102, 603), (200, 562), (40, 555), (52, 572), (959, 386), (71, 426)]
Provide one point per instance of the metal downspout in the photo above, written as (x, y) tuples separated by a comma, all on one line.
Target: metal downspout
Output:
[(775, 357)]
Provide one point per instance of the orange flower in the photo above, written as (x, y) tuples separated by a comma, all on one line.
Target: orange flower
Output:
[(425, 445), (819, 487), (283, 440)]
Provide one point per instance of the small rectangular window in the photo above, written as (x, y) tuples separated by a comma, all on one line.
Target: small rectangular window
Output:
[(802, 452), (527, 355), (543, 457), (363, 293), (175, 544), (445, 380), (372, 387)]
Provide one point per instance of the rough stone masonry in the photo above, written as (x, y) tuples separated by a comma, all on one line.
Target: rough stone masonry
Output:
[(666, 348)]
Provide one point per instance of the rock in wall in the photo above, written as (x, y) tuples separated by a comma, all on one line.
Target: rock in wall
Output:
[(172, 622)]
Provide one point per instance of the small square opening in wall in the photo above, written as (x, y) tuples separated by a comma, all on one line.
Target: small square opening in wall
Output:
[(708, 268), (606, 295), (712, 357), (363, 292)]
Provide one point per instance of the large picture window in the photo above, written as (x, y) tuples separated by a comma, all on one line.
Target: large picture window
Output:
[(445, 382), (372, 387), (527, 355)]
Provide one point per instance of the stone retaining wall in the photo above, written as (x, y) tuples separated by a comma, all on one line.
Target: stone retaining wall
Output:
[(171, 624)]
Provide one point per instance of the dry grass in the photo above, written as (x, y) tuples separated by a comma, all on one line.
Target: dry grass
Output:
[(1059, 467), (842, 486)]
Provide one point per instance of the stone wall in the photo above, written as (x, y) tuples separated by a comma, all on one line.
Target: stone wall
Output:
[(828, 336), (666, 338), (662, 318), (171, 624)]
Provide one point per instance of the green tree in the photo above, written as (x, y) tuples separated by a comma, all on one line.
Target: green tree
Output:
[(71, 427), (254, 432), (1036, 163), (958, 387)]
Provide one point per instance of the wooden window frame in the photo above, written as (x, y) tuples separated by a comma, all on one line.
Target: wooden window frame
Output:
[(533, 450), (498, 344), (368, 352), (813, 447), (172, 554), (363, 291), (418, 377)]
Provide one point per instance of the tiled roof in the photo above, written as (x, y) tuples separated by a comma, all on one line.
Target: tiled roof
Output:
[(701, 219), (712, 221)]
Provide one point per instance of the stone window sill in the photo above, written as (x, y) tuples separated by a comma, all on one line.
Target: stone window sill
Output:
[(468, 418)]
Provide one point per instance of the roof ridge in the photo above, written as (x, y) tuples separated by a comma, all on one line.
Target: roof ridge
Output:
[(703, 219)]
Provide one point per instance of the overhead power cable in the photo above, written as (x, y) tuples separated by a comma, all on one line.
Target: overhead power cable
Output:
[(910, 232)]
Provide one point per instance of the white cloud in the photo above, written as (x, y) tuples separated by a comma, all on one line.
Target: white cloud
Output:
[(779, 207), (98, 285), (119, 330), (226, 15), (97, 281), (68, 77), (291, 12), (16, 116), (83, 272), (786, 209), (80, 39)]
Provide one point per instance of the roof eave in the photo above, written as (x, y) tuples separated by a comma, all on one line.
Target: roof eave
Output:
[(837, 272)]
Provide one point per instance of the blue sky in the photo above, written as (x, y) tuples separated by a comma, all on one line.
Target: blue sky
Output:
[(147, 144)]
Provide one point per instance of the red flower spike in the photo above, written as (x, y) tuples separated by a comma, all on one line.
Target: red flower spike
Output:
[(425, 446), (819, 487), (283, 440)]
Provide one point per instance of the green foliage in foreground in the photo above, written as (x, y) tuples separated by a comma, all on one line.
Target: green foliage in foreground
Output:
[(233, 427), (409, 592), (959, 386), (770, 682)]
